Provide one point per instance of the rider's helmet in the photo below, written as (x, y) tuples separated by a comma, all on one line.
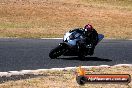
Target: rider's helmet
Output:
[(88, 27)]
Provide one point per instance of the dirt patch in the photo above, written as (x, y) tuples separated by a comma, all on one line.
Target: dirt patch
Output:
[(48, 18), (66, 79)]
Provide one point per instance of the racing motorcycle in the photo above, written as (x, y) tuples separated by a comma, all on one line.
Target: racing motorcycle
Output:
[(73, 45)]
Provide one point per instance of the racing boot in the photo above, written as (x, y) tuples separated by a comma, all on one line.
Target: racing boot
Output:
[(91, 51)]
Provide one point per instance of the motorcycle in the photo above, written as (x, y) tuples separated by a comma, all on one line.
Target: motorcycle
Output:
[(73, 45)]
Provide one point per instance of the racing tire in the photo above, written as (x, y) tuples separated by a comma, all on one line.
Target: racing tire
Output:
[(56, 52), (81, 80)]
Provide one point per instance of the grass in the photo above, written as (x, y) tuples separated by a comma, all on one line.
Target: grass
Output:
[(116, 3), (66, 79), (52, 18)]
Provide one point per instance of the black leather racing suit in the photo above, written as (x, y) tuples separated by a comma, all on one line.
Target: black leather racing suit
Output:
[(91, 37)]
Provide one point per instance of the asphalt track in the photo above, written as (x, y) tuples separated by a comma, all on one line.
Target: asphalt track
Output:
[(32, 54)]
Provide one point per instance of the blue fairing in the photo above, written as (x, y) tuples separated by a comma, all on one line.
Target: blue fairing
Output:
[(100, 37)]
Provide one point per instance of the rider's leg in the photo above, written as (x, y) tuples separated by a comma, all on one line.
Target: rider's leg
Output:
[(92, 50)]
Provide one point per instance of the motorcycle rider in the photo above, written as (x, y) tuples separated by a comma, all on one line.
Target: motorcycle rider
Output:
[(90, 37)]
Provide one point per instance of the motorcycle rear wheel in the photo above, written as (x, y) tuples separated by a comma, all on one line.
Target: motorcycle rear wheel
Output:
[(56, 52)]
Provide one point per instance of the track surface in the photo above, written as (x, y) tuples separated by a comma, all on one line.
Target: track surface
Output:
[(32, 54)]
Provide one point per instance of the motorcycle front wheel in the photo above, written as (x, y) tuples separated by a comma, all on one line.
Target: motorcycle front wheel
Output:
[(56, 52)]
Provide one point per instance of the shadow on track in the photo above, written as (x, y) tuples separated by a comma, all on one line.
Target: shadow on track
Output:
[(86, 59)]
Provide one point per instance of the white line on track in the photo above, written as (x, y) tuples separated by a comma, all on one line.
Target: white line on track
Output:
[(35, 72), (104, 38), (58, 38), (51, 38)]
